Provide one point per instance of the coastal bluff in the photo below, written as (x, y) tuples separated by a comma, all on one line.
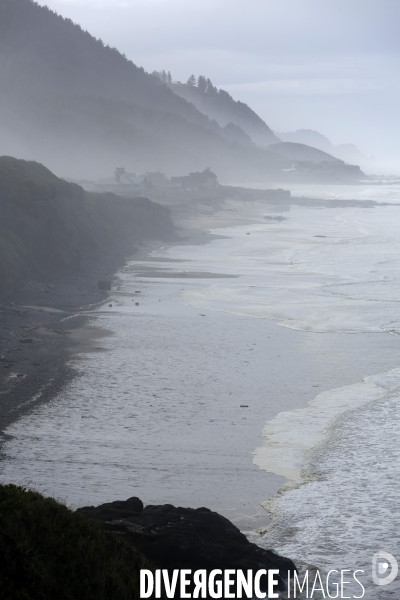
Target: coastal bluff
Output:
[(51, 228)]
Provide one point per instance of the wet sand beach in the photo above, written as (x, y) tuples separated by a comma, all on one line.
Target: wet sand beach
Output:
[(171, 403)]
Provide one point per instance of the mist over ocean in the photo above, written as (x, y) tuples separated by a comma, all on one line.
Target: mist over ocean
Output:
[(324, 284)]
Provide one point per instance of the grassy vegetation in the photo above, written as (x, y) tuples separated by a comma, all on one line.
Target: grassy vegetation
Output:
[(49, 552)]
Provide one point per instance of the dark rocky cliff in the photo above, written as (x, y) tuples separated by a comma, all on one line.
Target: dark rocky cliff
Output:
[(186, 538)]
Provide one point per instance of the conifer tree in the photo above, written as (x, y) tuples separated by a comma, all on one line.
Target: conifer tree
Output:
[(202, 84), (211, 90)]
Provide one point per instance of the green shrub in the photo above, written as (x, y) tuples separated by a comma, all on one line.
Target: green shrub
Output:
[(49, 552)]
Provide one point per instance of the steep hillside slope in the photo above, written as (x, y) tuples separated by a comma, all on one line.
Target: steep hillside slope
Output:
[(83, 108), (312, 164), (347, 152), (42, 50), (309, 137), (302, 152), (220, 106), (49, 227)]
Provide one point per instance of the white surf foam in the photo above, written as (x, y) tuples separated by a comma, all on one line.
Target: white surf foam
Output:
[(346, 504), (291, 434), (346, 281)]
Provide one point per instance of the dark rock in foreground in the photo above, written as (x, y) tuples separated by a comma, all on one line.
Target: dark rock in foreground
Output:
[(186, 538)]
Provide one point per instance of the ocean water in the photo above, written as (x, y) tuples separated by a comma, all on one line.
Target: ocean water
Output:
[(330, 279), (345, 505), (341, 453)]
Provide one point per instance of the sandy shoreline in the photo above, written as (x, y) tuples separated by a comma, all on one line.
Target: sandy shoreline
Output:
[(238, 373), (57, 320), (200, 405)]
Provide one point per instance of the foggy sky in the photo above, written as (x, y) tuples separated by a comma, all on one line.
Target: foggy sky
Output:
[(329, 65)]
